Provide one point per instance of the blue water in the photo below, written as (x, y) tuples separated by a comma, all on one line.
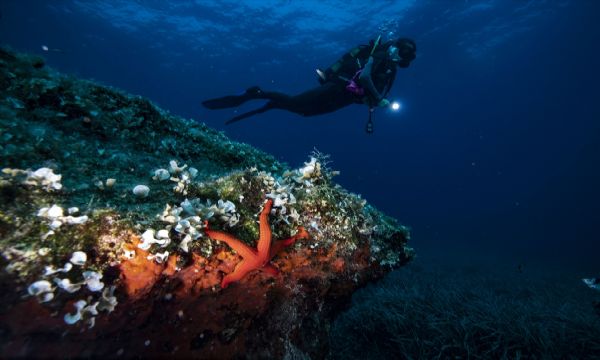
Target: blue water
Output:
[(494, 154)]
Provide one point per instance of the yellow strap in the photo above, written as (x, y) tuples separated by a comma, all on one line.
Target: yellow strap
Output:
[(375, 46)]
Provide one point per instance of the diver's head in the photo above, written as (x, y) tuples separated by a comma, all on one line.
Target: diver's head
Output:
[(402, 52)]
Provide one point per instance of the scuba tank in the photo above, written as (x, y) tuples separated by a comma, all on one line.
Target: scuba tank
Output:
[(343, 69), (347, 70)]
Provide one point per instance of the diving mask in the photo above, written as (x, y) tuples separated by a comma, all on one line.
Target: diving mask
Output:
[(394, 54)]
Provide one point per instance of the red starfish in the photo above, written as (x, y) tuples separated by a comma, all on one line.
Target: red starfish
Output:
[(259, 258)]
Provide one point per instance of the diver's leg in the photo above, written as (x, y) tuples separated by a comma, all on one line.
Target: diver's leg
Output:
[(277, 100), (323, 99)]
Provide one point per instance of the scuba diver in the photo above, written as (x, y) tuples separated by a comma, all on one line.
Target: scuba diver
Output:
[(364, 75)]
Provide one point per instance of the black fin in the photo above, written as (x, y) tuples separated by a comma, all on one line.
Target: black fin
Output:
[(233, 100), (245, 115)]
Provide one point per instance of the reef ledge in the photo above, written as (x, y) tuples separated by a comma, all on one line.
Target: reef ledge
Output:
[(104, 203)]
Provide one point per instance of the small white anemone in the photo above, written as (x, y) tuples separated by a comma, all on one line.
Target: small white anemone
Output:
[(182, 183), (161, 175), (67, 285), (148, 239), (196, 207), (184, 244), (311, 169), (45, 236), (92, 280), (91, 322), (50, 270), (171, 214), (56, 216), (193, 172), (233, 219), (190, 226), (158, 257), (225, 211), (281, 197), (55, 224), (51, 213), (188, 207), (182, 225), (174, 168), (76, 220), (226, 206), (162, 234), (78, 258), (82, 309), (141, 191), (294, 215), (108, 301), (91, 309), (44, 177), (42, 289), (315, 225), (73, 318)]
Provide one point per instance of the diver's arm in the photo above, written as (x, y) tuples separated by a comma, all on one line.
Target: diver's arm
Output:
[(367, 82)]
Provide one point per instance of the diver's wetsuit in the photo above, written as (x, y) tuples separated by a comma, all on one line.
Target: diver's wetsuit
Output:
[(330, 96), (320, 100)]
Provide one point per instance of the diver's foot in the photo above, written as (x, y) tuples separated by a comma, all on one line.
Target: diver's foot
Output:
[(253, 91), (322, 76)]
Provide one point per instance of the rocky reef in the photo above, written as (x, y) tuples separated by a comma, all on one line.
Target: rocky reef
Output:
[(105, 206)]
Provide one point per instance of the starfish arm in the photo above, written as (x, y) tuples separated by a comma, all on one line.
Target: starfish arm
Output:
[(270, 269), (265, 250), (276, 248), (264, 241), (244, 250), (281, 244), (301, 234), (241, 269)]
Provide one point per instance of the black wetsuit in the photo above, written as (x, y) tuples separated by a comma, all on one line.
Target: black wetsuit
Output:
[(330, 96)]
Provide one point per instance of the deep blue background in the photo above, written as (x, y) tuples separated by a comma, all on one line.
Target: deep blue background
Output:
[(495, 153)]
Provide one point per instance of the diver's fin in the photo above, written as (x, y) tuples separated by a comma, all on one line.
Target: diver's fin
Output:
[(245, 115), (233, 100)]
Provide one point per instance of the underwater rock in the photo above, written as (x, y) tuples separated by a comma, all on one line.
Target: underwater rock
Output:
[(147, 292)]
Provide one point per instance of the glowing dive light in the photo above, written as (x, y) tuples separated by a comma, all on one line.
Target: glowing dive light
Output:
[(395, 106)]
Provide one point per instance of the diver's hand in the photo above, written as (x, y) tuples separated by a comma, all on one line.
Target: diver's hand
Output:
[(383, 102)]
